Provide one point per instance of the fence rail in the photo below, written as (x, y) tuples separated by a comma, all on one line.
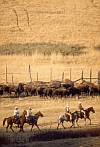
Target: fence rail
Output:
[(50, 75)]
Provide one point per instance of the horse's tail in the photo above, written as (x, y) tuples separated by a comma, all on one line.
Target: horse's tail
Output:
[(4, 121)]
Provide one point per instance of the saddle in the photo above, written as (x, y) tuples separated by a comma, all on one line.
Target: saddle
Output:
[(15, 120), (30, 120), (80, 114), (67, 117)]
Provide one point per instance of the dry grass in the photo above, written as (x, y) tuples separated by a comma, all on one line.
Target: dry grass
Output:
[(69, 22), (44, 64)]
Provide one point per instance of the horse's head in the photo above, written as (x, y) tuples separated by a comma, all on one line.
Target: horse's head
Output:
[(92, 109), (39, 114), (24, 112)]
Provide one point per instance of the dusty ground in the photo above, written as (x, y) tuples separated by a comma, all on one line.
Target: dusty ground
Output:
[(51, 108)]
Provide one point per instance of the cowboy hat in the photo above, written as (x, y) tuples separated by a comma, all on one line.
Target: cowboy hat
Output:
[(30, 108), (79, 102), (67, 105)]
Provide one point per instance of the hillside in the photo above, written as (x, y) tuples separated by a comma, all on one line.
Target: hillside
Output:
[(54, 21)]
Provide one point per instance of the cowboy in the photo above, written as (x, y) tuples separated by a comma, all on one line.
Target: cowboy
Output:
[(68, 112), (29, 115), (80, 108), (16, 114)]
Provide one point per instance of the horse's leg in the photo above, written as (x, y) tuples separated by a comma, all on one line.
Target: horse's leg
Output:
[(22, 128), (32, 127), (77, 122), (63, 125), (7, 127), (89, 119), (59, 122), (11, 127), (38, 127), (85, 121), (73, 124)]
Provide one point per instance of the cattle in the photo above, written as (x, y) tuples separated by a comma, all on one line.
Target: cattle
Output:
[(69, 82), (74, 91), (30, 89), (55, 84), (83, 88), (1, 89), (60, 92), (11, 88), (94, 90)]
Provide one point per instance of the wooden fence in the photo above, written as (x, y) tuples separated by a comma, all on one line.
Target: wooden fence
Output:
[(29, 73)]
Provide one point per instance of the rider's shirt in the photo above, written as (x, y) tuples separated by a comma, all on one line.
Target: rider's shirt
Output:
[(67, 109), (80, 107), (29, 113), (16, 113)]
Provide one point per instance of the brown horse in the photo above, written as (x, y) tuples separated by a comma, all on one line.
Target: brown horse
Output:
[(22, 120), (10, 121), (85, 115), (35, 120)]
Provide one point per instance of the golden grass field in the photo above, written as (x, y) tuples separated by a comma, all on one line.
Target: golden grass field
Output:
[(44, 64)]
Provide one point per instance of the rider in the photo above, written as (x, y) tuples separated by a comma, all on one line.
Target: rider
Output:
[(68, 112), (80, 108), (29, 115), (16, 114)]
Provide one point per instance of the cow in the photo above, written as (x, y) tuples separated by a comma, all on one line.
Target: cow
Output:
[(1, 89)]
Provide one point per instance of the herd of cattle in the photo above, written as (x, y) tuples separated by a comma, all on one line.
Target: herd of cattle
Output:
[(50, 89)]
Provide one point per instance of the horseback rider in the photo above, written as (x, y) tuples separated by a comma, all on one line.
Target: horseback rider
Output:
[(68, 112), (80, 108), (16, 114), (29, 115)]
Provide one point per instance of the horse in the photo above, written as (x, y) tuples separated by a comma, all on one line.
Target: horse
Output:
[(22, 120), (35, 120), (62, 118), (10, 120), (85, 115)]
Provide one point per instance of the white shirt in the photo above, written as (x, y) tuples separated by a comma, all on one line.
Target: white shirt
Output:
[(16, 112), (29, 112)]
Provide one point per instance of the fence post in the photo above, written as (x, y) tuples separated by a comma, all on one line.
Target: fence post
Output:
[(51, 74), (6, 74), (82, 76), (91, 75), (37, 76), (70, 73), (29, 69), (99, 77), (63, 77), (12, 79)]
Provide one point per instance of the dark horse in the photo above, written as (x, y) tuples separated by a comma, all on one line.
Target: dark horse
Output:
[(35, 119), (10, 121), (85, 115)]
